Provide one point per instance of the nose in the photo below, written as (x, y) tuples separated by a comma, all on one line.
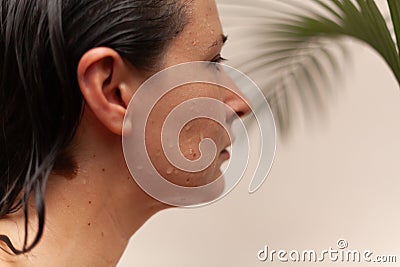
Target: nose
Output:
[(238, 103), (233, 97)]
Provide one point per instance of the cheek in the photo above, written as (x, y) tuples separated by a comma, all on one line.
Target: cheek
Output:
[(197, 130), (189, 140)]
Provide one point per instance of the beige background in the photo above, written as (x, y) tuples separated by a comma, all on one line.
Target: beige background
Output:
[(335, 177)]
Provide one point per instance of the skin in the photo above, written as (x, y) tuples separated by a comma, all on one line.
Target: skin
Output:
[(90, 218)]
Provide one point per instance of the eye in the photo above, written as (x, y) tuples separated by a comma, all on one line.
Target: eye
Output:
[(217, 59)]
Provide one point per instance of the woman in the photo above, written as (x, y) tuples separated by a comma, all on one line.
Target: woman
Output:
[(68, 70)]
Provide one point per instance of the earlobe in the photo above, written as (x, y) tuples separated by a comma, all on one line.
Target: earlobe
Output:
[(99, 81)]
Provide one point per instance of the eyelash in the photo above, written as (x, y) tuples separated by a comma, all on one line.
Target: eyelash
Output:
[(218, 59)]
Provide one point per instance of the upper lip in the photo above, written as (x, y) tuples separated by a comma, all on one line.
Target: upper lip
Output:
[(226, 146), (228, 141)]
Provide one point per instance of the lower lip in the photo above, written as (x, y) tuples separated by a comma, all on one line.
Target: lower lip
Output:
[(225, 155)]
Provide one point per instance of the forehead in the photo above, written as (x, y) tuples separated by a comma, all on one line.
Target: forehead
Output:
[(201, 37), (203, 15)]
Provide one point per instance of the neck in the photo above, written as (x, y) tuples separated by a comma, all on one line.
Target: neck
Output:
[(90, 217)]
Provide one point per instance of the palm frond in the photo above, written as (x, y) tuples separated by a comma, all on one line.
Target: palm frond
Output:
[(394, 7), (300, 47)]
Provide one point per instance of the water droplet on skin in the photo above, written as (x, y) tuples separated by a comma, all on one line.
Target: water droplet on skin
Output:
[(187, 128), (190, 151), (84, 181), (169, 171)]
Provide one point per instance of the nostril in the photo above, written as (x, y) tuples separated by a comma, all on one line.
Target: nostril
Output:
[(240, 114), (231, 117)]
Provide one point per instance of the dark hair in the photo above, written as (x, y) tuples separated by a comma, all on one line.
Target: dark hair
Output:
[(41, 43)]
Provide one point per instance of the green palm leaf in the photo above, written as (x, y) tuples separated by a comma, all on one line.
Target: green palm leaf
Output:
[(300, 50)]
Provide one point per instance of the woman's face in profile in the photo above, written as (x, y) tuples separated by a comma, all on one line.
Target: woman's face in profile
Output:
[(98, 199), (201, 40)]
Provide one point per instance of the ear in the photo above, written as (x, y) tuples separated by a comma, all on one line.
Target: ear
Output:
[(103, 78)]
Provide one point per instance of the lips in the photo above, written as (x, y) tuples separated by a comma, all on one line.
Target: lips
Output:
[(225, 154)]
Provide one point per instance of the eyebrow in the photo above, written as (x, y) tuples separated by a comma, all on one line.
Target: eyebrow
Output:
[(224, 38)]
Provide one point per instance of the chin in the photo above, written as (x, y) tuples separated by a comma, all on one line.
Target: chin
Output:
[(215, 190)]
